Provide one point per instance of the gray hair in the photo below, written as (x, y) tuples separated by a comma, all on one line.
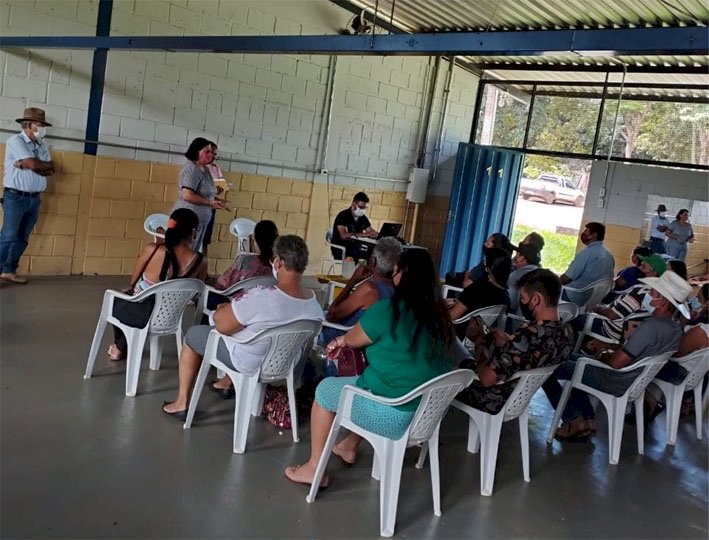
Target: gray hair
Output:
[(387, 253), (293, 251), (25, 124)]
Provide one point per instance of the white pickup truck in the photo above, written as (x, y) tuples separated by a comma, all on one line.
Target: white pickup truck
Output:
[(551, 189)]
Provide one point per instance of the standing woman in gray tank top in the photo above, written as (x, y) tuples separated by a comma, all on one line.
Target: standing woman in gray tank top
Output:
[(197, 190), (679, 233)]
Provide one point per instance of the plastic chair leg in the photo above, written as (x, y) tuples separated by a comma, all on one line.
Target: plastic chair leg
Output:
[(376, 468), (290, 386), (258, 394), (490, 440), (242, 410), (422, 456), (640, 424), (673, 402), (324, 458), (432, 445), (178, 340), (698, 409), (95, 344), (389, 486), (473, 436), (155, 352), (197, 392), (134, 356), (524, 443), (616, 417), (559, 410)]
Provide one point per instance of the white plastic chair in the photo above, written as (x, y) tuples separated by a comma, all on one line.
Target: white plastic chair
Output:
[(587, 331), (598, 289), (243, 285), (151, 224), (567, 311), (485, 428), (242, 228), (697, 365), (171, 298), (330, 245), (436, 395), (489, 315), (615, 406), (287, 346)]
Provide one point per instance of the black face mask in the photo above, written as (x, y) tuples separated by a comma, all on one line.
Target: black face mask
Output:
[(527, 311)]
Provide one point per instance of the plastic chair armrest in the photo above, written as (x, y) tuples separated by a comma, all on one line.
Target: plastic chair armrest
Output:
[(336, 326)]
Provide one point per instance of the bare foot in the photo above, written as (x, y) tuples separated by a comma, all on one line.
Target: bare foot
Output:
[(304, 474), (114, 353), (222, 384), (345, 454)]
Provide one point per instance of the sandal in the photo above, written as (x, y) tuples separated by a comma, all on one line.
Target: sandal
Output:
[(178, 415), (224, 393), (115, 354), (292, 472), (583, 433)]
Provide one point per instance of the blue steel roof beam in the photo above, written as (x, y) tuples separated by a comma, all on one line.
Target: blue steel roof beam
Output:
[(609, 42)]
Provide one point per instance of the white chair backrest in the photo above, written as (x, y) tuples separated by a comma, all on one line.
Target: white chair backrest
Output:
[(242, 228), (436, 396), (528, 383), (697, 365), (171, 298), (287, 343), (245, 284), (599, 289), (489, 315), (568, 311), (153, 221), (651, 365)]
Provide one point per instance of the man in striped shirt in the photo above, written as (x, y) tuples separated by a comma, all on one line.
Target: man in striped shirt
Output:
[(625, 305)]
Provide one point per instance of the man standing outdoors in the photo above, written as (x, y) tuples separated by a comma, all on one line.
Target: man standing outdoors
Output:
[(349, 224), (591, 264), (658, 226), (27, 164)]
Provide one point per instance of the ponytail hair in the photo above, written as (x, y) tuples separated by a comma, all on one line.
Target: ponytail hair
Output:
[(180, 226), (265, 235)]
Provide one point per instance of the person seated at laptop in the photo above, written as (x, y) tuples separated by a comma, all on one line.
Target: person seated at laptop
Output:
[(350, 223)]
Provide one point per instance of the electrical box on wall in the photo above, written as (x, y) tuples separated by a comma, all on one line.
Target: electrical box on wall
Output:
[(418, 182)]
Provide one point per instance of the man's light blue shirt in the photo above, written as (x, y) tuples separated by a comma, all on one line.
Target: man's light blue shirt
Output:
[(20, 147), (590, 264)]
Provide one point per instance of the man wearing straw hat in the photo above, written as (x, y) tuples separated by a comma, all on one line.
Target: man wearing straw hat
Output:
[(27, 164), (657, 334)]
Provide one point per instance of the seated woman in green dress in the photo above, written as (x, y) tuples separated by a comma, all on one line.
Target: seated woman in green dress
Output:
[(407, 340)]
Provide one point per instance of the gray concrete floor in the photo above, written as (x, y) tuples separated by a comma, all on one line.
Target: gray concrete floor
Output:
[(81, 460)]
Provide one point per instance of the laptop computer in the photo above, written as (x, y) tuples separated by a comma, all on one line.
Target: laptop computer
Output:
[(389, 229)]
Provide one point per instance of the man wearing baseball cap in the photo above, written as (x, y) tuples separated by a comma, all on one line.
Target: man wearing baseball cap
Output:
[(657, 334), (27, 165), (658, 226)]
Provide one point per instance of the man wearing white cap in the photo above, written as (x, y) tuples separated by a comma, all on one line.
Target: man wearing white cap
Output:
[(657, 334), (27, 164)]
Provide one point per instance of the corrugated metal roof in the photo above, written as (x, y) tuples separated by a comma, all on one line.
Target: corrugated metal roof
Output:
[(494, 15)]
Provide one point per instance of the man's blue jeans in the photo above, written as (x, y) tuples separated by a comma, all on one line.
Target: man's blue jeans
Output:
[(20, 214)]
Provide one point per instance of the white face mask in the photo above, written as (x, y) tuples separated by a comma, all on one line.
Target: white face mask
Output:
[(662, 214), (359, 212), (647, 306), (40, 133), (274, 270)]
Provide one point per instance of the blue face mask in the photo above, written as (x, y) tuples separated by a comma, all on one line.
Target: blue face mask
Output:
[(695, 304), (647, 306)]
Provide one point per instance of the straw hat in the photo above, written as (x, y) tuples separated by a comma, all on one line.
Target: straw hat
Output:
[(33, 114), (672, 287)]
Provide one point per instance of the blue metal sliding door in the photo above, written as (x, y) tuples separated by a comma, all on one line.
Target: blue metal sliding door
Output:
[(483, 200)]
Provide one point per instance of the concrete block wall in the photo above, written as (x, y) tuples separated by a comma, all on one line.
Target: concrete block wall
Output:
[(266, 110), (92, 214), (630, 188)]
